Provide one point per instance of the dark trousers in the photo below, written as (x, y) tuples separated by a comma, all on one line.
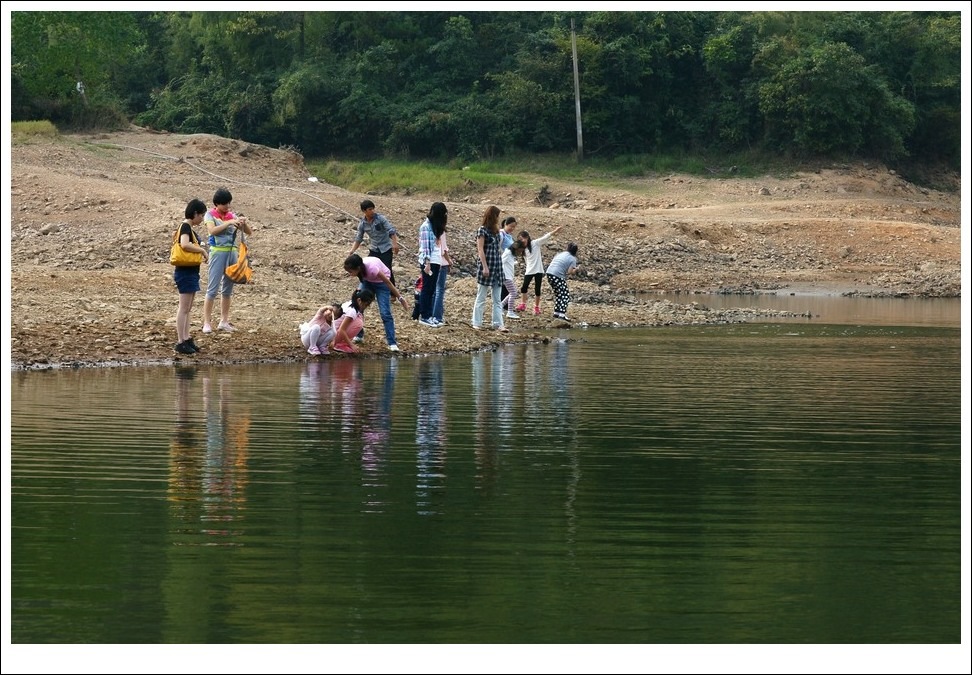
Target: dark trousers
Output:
[(537, 282), (428, 290)]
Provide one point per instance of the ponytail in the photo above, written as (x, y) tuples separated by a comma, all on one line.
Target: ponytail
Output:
[(360, 295)]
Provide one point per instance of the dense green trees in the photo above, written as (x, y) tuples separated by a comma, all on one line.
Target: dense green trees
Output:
[(885, 85)]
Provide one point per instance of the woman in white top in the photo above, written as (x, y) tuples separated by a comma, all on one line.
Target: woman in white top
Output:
[(534, 268), (440, 257), (509, 277)]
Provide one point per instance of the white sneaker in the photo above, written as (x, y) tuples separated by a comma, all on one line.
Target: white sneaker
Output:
[(437, 322), (357, 340), (228, 327), (207, 328), (429, 322), (511, 315), (393, 348)]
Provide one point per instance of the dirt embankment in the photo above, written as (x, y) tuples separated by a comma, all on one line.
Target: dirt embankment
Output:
[(92, 217)]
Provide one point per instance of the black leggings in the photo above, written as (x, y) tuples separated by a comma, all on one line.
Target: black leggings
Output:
[(537, 281)]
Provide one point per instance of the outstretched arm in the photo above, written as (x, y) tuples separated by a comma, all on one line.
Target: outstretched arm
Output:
[(394, 291), (342, 333)]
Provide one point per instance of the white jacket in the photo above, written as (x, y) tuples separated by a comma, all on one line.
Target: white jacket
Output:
[(534, 259)]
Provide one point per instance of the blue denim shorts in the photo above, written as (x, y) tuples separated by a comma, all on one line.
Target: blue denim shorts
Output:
[(186, 279)]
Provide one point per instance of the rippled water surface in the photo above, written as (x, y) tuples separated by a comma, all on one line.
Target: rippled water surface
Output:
[(737, 484)]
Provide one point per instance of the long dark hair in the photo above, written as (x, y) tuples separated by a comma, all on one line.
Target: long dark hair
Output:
[(438, 216), (354, 263), (529, 240)]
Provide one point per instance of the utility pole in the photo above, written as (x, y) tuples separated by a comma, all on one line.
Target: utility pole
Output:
[(580, 133)]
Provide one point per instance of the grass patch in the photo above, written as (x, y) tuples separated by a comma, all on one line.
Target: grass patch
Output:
[(608, 169), (521, 170), (386, 176), (32, 129)]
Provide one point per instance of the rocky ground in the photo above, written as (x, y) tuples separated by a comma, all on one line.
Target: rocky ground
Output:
[(93, 216)]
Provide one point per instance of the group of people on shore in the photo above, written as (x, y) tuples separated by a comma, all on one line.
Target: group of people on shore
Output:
[(222, 226), (341, 326)]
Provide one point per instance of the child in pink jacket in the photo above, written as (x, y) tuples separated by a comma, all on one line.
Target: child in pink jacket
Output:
[(317, 333), (352, 320)]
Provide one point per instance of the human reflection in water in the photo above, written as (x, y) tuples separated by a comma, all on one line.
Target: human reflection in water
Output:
[(486, 373), (430, 434), (345, 397), (185, 456), (311, 391), (224, 474), (376, 438)]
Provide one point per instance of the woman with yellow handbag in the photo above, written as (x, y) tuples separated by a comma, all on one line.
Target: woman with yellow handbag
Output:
[(187, 255)]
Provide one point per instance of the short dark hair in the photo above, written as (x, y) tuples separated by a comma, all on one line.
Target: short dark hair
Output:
[(507, 221), (572, 248), (194, 208), (367, 204), (222, 196)]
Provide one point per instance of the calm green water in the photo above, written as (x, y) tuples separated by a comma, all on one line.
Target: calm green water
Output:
[(736, 484)]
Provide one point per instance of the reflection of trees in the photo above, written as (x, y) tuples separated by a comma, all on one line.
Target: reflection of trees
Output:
[(430, 433)]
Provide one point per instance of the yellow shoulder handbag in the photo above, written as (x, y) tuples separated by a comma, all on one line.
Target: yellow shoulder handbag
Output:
[(180, 257)]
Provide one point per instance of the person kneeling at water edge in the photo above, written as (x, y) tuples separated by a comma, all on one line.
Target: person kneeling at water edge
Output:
[(351, 320), (317, 333)]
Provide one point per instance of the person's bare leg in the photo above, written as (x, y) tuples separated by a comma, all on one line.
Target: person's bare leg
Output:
[(208, 312), (224, 306), (182, 320)]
